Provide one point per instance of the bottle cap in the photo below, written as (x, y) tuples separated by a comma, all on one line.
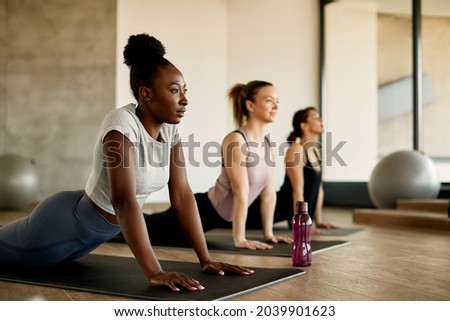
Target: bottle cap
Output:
[(302, 207)]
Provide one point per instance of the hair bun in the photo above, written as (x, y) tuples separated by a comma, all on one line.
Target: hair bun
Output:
[(141, 48)]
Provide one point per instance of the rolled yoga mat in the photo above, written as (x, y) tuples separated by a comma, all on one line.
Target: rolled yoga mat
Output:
[(122, 276)]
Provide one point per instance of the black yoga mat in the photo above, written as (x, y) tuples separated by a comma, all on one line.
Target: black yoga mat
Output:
[(224, 243), (342, 231), (122, 276)]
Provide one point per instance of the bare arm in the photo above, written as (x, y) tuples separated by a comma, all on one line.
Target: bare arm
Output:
[(319, 205), (119, 160), (295, 162), (234, 160), (268, 198), (183, 201), (318, 212)]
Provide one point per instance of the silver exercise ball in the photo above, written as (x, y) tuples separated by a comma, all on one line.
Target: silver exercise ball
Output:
[(18, 181), (403, 175)]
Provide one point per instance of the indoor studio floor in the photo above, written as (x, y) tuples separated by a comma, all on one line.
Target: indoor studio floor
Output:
[(381, 263)]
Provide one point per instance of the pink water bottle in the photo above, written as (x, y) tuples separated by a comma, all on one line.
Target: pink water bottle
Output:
[(301, 233)]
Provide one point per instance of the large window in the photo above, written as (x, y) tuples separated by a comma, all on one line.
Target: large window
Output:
[(436, 111), (369, 83)]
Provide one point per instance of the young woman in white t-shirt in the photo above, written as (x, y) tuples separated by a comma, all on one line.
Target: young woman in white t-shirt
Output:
[(137, 152)]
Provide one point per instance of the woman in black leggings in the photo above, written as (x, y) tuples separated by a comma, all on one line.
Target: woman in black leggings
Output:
[(303, 179), (246, 174)]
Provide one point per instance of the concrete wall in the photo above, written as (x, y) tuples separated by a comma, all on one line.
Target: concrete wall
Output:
[(2, 74), (57, 71)]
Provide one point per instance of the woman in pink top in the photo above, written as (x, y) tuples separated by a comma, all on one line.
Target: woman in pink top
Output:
[(247, 173)]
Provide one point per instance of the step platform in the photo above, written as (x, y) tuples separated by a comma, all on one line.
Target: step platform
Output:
[(422, 213)]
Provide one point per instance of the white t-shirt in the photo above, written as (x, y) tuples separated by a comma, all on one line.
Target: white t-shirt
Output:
[(151, 157)]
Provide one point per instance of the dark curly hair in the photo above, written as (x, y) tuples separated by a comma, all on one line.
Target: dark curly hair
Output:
[(144, 55)]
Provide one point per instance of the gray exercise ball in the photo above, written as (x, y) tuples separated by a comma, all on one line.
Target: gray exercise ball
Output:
[(18, 181), (403, 175)]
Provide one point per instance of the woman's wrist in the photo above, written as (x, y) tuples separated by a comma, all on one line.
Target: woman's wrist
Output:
[(268, 236), (159, 272), (203, 263)]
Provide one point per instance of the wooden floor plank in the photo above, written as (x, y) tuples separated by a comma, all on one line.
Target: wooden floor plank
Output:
[(394, 217), (424, 205)]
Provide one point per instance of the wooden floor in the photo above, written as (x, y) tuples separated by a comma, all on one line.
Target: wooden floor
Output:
[(381, 263)]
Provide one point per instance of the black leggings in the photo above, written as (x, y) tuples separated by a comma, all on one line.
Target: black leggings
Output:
[(164, 229), (283, 212)]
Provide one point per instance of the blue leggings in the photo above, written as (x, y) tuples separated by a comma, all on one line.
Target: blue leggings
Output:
[(64, 226)]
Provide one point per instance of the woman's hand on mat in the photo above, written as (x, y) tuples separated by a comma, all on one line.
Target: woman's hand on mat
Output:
[(252, 245), (174, 280), (279, 239), (220, 268), (321, 227), (324, 225)]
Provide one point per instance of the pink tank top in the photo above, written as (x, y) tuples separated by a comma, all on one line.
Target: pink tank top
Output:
[(259, 173)]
